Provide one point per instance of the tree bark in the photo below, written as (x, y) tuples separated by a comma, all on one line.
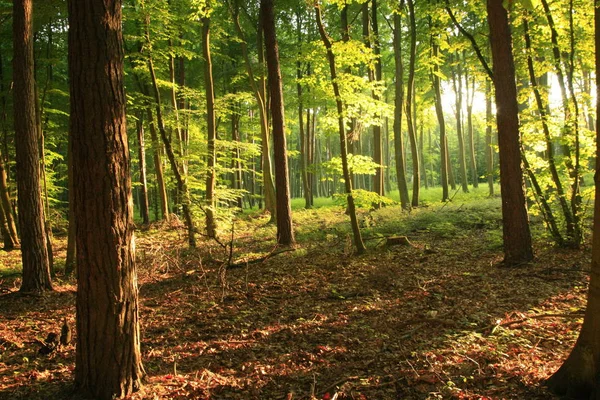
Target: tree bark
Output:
[(458, 86), (108, 358), (285, 230), (516, 234), (36, 267)]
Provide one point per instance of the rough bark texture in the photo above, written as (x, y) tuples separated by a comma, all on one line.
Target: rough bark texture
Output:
[(578, 377), (108, 359), (516, 233), (36, 267), (285, 231)]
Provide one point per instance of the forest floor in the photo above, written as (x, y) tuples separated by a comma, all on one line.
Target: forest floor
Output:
[(434, 318)]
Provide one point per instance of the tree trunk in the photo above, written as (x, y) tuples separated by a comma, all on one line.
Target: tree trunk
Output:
[(70, 262), (257, 85), (378, 184), (179, 177), (211, 177), (516, 233), (439, 111), (13, 239), (108, 358), (360, 247), (302, 135), (412, 134), (457, 86), (144, 210), (36, 267), (285, 230), (489, 138), (470, 131), (161, 186)]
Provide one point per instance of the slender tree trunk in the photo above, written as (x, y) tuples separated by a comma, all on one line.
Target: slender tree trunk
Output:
[(457, 85), (257, 85), (285, 230), (5, 204), (158, 167), (439, 111), (238, 180), (489, 138), (36, 267), (302, 134), (70, 262), (211, 177), (142, 166), (378, 182), (517, 237), (543, 111), (412, 134), (360, 247), (470, 131), (108, 357), (179, 177)]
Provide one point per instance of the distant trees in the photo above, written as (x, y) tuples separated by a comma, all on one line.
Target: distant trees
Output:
[(36, 266), (108, 358)]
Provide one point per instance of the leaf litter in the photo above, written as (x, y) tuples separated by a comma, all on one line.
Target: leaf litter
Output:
[(436, 319)]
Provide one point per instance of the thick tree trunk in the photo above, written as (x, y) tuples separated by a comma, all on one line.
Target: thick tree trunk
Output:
[(108, 357), (360, 247), (36, 267), (211, 176), (285, 230), (516, 233)]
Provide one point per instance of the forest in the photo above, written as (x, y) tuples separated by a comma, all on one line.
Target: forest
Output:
[(299, 199)]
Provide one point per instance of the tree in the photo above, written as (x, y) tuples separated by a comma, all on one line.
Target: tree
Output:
[(516, 233), (285, 230), (211, 176), (399, 103), (358, 242), (108, 358), (36, 267), (578, 376), (410, 92)]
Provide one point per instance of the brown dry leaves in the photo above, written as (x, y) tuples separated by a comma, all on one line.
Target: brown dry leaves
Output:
[(434, 320)]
